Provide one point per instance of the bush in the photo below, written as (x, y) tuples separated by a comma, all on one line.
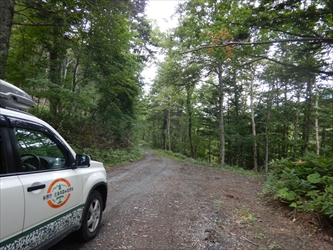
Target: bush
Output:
[(112, 157), (306, 185)]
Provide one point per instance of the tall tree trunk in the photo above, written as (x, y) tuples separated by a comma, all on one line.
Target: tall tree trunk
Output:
[(164, 131), (75, 72), (284, 144), (169, 124), (237, 103), (316, 121), (296, 149), (54, 77), (221, 118), (189, 90), (308, 115), (254, 133), (6, 19), (269, 107), (209, 149)]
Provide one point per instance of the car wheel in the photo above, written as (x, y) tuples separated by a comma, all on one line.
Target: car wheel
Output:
[(92, 217)]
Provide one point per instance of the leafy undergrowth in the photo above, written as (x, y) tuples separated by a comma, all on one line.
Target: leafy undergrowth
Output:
[(112, 157), (305, 185)]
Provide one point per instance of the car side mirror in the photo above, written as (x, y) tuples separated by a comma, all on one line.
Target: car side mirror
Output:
[(82, 161)]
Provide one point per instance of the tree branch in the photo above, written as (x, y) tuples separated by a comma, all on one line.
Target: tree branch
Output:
[(318, 39), (328, 73), (37, 24)]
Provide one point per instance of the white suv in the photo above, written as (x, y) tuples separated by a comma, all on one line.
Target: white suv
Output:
[(46, 190)]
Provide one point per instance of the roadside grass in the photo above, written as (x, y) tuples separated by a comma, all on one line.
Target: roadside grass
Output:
[(183, 158)]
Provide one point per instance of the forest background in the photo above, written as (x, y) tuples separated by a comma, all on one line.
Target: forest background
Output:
[(243, 83)]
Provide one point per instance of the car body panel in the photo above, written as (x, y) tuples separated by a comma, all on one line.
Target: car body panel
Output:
[(62, 192), (43, 233), (92, 176), (12, 204)]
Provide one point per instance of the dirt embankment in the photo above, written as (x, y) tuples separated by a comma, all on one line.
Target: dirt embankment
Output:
[(157, 203)]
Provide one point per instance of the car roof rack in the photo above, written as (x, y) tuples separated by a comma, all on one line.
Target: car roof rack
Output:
[(14, 97)]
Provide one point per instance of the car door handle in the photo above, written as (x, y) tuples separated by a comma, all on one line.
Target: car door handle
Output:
[(33, 188)]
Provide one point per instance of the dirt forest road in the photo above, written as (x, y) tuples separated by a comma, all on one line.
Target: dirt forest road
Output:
[(158, 203)]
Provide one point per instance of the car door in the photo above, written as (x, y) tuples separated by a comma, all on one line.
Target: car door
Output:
[(11, 209), (52, 189), (11, 194)]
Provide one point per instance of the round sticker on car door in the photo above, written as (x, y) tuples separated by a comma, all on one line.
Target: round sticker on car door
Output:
[(58, 193)]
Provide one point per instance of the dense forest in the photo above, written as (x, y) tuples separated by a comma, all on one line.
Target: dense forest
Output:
[(249, 84), (81, 62), (243, 83)]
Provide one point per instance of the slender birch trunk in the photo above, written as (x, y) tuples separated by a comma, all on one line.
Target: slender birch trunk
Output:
[(254, 134), (269, 106), (316, 121), (189, 91), (299, 88), (169, 124), (308, 115), (221, 118)]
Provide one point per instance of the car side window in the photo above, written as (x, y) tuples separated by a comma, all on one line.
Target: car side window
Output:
[(2, 157), (38, 151)]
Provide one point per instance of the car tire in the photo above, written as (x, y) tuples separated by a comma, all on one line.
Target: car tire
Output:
[(92, 217)]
